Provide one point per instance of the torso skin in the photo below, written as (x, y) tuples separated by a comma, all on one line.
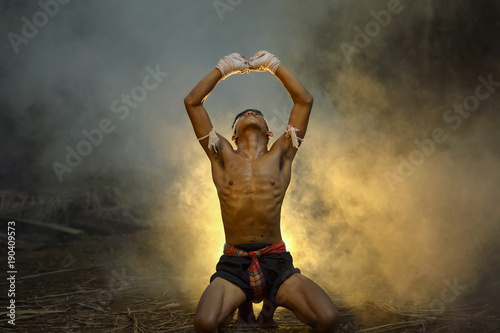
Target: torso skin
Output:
[(251, 192), (251, 181)]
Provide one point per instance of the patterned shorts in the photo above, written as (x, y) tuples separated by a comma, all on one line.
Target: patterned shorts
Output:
[(276, 268)]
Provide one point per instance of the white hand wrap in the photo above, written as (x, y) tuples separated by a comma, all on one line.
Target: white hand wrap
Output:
[(264, 61), (232, 64)]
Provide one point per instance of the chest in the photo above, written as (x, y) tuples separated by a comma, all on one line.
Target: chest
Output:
[(239, 172)]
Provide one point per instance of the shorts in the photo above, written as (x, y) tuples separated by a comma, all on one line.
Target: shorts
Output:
[(276, 267)]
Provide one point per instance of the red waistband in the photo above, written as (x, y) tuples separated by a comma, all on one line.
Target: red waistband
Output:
[(233, 250)]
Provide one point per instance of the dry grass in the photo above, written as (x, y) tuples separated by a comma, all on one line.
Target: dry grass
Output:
[(88, 296), (75, 286)]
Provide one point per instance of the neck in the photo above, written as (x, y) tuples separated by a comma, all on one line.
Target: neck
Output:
[(252, 143)]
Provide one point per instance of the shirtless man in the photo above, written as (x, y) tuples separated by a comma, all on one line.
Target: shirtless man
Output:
[(251, 182)]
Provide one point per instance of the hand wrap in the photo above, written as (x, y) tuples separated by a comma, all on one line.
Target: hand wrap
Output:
[(264, 61), (232, 64)]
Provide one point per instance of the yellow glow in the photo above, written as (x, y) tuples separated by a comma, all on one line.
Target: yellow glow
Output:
[(343, 225)]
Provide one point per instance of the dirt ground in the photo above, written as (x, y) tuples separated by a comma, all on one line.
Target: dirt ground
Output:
[(81, 284)]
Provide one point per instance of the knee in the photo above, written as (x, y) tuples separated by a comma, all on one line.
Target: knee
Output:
[(204, 324), (210, 323), (328, 321)]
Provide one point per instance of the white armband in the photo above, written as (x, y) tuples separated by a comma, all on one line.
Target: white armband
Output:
[(292, 132), (213, 140)]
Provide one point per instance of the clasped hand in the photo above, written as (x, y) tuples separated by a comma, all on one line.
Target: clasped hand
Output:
[(235, 63)]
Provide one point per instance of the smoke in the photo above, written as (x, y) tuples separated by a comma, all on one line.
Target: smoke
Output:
[(369, 215)]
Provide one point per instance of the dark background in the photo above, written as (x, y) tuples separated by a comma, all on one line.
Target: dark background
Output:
[(355, 221)]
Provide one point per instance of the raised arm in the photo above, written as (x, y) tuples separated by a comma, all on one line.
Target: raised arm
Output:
[(194, 103), (302, 99), (228, 65)]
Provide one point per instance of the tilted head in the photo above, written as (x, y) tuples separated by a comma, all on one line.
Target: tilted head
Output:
[(249, 112)]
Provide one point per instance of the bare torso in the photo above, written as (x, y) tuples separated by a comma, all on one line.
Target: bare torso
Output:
[(251, 192), (251, 183)]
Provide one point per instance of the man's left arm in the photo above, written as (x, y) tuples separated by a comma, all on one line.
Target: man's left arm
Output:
[(302, 99)]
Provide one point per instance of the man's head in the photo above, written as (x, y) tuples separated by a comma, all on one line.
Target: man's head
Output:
[(240, 119)]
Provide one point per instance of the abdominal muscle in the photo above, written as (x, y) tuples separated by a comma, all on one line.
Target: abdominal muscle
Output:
[(251, 193), (250, 223), (251, 210)]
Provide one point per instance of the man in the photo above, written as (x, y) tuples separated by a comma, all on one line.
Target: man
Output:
[(251, 182)]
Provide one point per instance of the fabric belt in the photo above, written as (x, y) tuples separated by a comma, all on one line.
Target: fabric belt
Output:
[(257, 279)]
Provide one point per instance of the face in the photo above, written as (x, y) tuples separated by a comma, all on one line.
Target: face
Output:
[(251, 116)]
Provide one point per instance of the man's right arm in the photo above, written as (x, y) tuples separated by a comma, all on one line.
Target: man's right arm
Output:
[(194, 105), (228, 65)]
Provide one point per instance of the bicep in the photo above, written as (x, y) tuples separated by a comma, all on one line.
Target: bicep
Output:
[(299, 118), (201, 124), (199, 119), (202, 127)]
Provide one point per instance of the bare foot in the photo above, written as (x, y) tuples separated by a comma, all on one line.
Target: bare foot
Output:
[(266, 315), (266, 321), (245, 321), (246, 316)]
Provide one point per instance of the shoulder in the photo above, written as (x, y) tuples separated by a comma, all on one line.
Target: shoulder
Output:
[(283, 145), (223, 152)]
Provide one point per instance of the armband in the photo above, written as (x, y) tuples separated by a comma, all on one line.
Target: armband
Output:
[(213, 140), (291, 132)]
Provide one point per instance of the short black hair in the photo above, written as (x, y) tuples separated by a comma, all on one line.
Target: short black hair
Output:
[(243, 112)]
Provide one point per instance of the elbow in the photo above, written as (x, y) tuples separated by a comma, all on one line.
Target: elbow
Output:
[(189, 100), (305, 99), (309, 99)]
